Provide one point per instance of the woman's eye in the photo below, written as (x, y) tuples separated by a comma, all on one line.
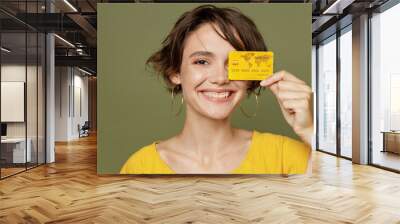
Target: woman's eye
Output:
[(201, 62)]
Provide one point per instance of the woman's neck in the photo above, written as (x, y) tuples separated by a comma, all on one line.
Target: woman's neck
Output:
[(206, 137)]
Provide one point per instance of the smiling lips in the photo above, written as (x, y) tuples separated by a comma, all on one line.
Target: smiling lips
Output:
[(218, 95)]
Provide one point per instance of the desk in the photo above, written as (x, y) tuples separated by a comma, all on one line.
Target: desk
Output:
[(15, 148), (391, 141)]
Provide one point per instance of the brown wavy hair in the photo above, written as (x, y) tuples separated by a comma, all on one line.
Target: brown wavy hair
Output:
[(238, 29)]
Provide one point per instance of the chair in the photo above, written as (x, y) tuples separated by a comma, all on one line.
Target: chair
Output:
[(84, 130)]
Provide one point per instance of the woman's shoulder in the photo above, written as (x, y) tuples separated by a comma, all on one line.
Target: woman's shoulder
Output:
[(292, 154), (267, 135), (269, 139), (276, 140), (139, 159), (145, 150)]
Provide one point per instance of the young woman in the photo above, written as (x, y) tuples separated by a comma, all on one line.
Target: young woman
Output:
[(193, 61)]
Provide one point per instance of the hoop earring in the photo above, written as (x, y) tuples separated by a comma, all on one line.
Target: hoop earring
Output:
[(172, 103), (255, 113)]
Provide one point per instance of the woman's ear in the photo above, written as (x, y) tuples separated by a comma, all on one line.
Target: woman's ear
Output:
[(175, 78)]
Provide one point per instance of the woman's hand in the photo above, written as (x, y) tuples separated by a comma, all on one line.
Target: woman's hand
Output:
[(295, 98)]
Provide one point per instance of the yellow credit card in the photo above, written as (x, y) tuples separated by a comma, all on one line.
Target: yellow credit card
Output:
[(250, 65)]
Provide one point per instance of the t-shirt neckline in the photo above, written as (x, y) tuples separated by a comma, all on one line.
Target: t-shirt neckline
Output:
[(231, 172)]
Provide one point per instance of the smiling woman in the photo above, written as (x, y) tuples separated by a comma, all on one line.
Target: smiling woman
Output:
[(193, 61)]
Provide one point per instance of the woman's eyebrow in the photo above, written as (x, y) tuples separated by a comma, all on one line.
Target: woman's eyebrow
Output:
[(201, 53)]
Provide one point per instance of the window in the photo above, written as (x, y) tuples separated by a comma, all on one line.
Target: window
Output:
[(385, 88), (22, 78), (327, 95), (346, 92)]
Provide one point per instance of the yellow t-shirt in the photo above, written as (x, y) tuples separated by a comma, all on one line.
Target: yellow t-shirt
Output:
[(268, 154)]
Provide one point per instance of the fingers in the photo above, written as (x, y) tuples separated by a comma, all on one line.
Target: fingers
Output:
[(292, 95), (281, 75), (295, 99), (295, 105), (292, 86)]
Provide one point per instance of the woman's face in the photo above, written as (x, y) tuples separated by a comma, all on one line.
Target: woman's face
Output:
[(204, 75)]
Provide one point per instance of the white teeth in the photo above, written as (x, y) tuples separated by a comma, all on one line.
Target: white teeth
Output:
[(217, 95)]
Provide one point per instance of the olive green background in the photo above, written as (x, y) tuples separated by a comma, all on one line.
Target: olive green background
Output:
[(134, 108)]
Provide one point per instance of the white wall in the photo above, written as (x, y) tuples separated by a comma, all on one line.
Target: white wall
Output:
[(33, 126), (79, 117), (70, 84), (62, 81), (13, 72), (16, 73)]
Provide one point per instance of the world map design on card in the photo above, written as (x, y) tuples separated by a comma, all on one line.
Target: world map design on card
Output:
[(250, 65)]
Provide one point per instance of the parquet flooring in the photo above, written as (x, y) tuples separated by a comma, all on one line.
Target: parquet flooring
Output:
[(387, 159), (70, 191), (10, 171)]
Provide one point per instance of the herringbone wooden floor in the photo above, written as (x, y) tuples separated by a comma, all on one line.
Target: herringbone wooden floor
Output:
[(70, 191)]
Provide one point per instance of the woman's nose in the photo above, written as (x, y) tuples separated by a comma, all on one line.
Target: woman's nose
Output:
[(220, 75)]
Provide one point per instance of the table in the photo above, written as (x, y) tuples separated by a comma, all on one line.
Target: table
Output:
[(15, 148)]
